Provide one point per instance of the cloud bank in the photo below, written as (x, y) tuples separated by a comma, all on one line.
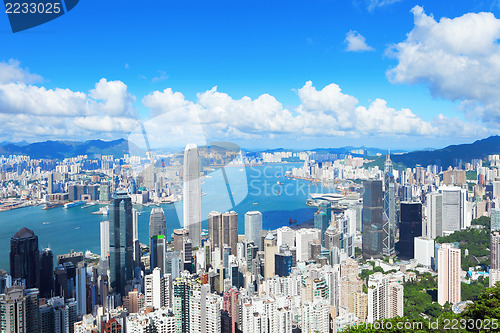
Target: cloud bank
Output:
[(30, 111), (458, 59)]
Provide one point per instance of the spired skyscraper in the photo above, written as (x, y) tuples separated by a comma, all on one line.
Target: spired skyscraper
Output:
[(121, 245), (389, 208), (192, 194), (373, 233), (25, 258)]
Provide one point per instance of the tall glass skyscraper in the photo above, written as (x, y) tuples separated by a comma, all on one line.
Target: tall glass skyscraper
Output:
[(253, 226), (410, 227), (192, 194), (46, 273), (121, 246), (372, 219), (158, 248), (157, 224), (321, 222), (389, 208), (25, 258)]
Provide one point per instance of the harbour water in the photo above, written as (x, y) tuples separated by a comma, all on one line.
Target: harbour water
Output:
[(262, 188)]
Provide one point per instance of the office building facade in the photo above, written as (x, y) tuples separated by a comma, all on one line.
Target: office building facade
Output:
[(373, 233), (192, 194), (121, 245)]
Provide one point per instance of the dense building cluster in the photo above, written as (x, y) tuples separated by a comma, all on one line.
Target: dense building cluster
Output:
[(284, 280)]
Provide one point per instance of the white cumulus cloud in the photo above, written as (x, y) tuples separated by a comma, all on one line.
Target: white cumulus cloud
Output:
[(12, 72), (322, 113), (356, 43), (458, 59), (32, 112)]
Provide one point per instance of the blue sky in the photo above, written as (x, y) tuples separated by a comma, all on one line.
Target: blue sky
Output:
[(248, 48)]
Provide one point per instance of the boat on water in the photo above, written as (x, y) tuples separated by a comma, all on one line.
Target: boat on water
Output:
[(255, 203), (278, 182), (74, 204), (102, 211), (45, 222)]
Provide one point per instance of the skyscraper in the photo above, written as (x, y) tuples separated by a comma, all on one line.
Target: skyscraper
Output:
[(495, 219), (253, 226), (214, 229), (46, 273), (455, 215), (25, 258), (81, 290), (230, 230), (495, 259), (283, 263), (104, 227), (321, 222), (410, 227), (449, 267), (434, 224), (385, 298), (389, 205), (50, 183), (373, 234), (157, 225), (495, 250), (223, 229), (204, 310), (12, 310), (192, 194), (158, 248), (303, 239), (19, 311), (120, 242), (270, 249), (182, 289)]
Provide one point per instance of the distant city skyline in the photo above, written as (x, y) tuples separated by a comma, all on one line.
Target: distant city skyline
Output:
[(349, 73)]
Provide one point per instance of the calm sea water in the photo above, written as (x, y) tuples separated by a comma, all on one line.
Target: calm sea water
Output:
[(262, 188)]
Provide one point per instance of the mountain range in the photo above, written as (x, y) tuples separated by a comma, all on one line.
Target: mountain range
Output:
[(65, 149), (447, 156), (450, 156)]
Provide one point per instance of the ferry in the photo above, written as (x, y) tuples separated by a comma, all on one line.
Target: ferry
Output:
[(74, 204)]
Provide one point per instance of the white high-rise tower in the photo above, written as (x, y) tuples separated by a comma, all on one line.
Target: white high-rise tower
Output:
[(192, 194)]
